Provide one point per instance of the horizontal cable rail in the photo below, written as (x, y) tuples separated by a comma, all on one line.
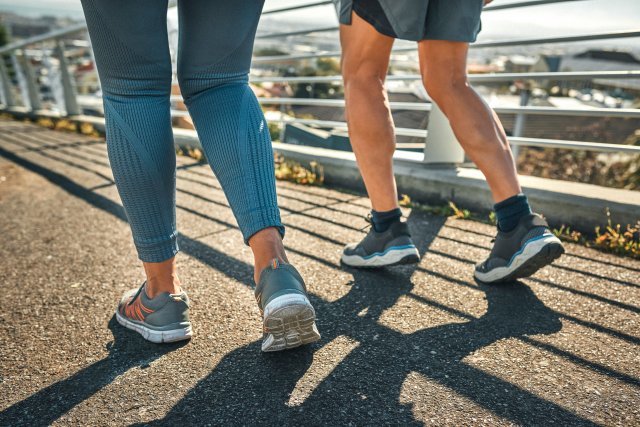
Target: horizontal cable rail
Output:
[(476, 78), (417, 106), (298, 7), (574, 145), (420, 133), (500, 6), (423, 106), (296, 33), (506, 43)]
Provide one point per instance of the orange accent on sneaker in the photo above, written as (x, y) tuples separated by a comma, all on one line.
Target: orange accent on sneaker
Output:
[(134, 310), (138, 312), (145, 309)]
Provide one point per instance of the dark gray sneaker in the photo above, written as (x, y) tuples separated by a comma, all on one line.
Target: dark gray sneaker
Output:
[(164, 318), (289, 319), (391, 247), (520, 252)]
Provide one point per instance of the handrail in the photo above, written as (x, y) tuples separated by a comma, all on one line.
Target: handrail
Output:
[(52, 35)]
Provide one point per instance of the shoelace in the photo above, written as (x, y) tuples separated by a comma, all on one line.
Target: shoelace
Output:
[(137, 293), (369, 220)]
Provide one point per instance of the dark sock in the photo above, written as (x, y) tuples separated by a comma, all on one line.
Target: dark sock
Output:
[(509, 211), (383, 220)]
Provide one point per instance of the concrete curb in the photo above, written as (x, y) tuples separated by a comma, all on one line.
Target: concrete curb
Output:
[(582, 206)]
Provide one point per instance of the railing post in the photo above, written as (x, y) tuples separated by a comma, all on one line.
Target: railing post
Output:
[(70, 101), (30, 79), (6, 84), (93, 60), (521, 119), (22, 81), (53, 76), (441, 144), (282, 124)]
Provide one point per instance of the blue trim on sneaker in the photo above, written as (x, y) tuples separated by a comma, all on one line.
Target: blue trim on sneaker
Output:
[(525, 245), (392, 248)]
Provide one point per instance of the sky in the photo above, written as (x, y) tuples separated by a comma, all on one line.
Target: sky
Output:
[(574, 17)]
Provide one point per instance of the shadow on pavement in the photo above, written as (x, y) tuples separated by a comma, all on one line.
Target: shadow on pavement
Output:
[(126, 351), (248, 387)]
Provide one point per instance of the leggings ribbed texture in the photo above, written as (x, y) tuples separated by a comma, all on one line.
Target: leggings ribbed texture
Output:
[(131, 48)]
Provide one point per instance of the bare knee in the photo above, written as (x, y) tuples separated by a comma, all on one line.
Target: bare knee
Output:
[(362, 77), (445, 90)]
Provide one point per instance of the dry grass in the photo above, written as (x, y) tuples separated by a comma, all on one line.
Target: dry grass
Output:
[(288, 170)]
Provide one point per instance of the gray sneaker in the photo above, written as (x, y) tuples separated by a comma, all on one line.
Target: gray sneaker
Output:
[(289, 319), (520, 252), (391, 247), (164, 318)]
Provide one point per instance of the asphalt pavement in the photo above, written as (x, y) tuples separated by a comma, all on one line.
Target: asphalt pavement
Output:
[(408, 345)]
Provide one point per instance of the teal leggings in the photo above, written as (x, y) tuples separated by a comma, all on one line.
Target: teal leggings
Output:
[(130, 43)]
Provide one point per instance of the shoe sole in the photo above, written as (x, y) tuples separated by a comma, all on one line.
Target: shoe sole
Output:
[(156, 336), (289, 322), (535, 255), (393, 257)]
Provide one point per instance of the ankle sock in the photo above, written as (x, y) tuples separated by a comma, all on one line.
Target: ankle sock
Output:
[(383, 220), (509, 211)]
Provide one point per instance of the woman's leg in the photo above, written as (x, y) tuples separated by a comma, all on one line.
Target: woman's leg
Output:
[(132, 54), (216, 42)]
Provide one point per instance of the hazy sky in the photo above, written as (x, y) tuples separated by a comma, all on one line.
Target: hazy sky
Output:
[(575, 17)]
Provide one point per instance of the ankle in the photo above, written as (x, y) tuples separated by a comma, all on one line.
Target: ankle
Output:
[(382, 220), (511, 210), (161, 277), (156, 286), (266, 246)]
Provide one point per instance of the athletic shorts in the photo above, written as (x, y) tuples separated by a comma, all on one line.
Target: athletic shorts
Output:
[(453, 20)]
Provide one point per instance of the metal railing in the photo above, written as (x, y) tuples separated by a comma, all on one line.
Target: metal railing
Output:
[(53, 45)]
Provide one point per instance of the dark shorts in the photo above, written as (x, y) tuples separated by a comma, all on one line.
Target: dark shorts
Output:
[(453, 20)]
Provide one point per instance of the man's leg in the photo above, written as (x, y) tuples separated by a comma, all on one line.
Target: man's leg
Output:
[(524, 243), (365, 60), (443, 65)]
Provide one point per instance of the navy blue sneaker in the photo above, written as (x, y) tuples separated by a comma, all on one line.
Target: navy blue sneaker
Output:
[(391, 247), (520, 252)]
